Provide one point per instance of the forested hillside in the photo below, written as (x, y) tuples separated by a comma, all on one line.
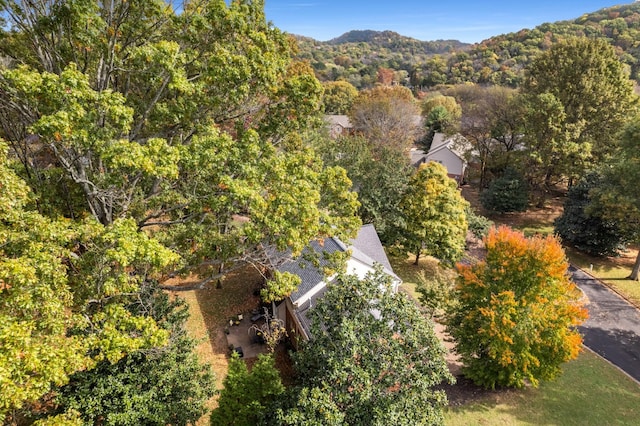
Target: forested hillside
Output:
[(357, 56)]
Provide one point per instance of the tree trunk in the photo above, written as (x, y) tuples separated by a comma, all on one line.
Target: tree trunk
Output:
[(417, 257), (636, 268)]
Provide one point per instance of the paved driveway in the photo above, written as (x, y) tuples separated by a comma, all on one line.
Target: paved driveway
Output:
[(613, 327)]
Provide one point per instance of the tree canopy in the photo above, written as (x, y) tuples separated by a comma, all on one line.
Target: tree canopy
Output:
[(507, 193), (517, 312), (583, 224), (618, 197), (387, 116), (379, 177), (142, 141), (63, 285), (374, 354), (162, 385), (441, 115), (580, 95), (434, 215), (338, 97), (248, 397), (183, 122)]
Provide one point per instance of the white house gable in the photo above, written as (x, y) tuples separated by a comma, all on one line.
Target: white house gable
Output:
[(366, 251)]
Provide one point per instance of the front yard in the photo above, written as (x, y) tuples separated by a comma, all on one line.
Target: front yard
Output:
[(590, 392)]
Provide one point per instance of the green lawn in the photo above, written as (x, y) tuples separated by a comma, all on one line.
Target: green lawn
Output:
[(590, 392), (410, 273), (612, 271)]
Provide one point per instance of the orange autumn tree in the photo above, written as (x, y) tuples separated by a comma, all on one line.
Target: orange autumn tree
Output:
[(517, 313)]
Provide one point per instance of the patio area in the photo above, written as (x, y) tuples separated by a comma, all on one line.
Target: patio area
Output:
[(242, 335)]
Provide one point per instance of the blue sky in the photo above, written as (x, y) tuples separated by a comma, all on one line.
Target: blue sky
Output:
[(467, 21)]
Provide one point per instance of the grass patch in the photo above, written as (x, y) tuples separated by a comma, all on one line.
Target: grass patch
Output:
[(611, 270), (410, 273), (530, 223), (590, 392), (537, 229)]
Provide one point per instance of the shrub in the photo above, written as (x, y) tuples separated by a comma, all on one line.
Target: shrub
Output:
[(508, 193), (582, 225)]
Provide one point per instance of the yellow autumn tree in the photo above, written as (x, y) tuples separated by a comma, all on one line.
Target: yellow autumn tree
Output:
[(516, 319), (434, 215)]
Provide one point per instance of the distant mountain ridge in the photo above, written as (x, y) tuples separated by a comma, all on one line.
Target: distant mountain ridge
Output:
[(357, 55), (392, 38)]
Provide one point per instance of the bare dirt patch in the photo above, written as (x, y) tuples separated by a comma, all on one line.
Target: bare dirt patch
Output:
[(464, 392), (533, 217), (210, 310)]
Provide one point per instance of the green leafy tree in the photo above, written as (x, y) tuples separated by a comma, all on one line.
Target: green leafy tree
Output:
[(162, 385), (581, 84), (247, 397), (36, 350), (187, 123), (338, 97), (508, 193), (618, 198), (379, 178), (63, 285), (435, 222), (307, 407), (449, 103), (517, 312), (441, 115), (167, 132), (582, 224), (436, 289), (479, 225), (437, 72), (547, 142), (373, 354)]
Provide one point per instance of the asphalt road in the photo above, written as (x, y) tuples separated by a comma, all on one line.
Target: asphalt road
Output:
[(613, 327)]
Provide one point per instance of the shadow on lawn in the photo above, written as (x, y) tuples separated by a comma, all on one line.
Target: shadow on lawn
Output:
[(589, 392), (217, 305), (239, 295)]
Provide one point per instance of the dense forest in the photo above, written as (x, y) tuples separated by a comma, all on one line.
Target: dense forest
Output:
[(356, 56)]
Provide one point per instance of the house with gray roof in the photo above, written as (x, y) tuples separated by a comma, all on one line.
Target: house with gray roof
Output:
[(339, 125), (365, 252), (450, 151)]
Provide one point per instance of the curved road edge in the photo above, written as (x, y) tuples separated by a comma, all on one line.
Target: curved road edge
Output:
[(613, 327)]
